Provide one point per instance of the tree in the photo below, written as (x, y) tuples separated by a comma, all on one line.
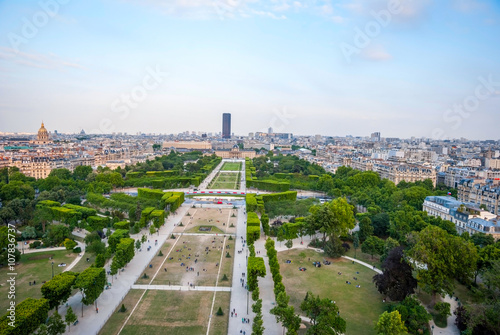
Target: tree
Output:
[(390, 324), (70, 317), (70, 244), (324, 315), (380, 223), (389, 244), (289, 244), (442, 258), (55, 325), (58, 289), (57, 234), (373, 246), (443, 309), (355, 242), (285, 313), (91, 284), (29, 233), (138, 244), (81, 172), (414, 315), (396, 281), (332, 219), (100, 260), (365, 228), (96, 247)]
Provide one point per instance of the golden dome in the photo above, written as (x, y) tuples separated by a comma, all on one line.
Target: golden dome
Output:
[(43, 134)]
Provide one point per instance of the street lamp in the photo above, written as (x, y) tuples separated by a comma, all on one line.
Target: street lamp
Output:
[(52, 269)]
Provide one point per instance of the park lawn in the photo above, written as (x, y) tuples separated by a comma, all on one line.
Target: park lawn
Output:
[(33, 267), (171, 312), (360, 307), (228, 166), (228, 180), (117, 319), (213, 230), (367, 258), (83, 264), (156, 262), (227, 264), (205, 249), (219, 324)]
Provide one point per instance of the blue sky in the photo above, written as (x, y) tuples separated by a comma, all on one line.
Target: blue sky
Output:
[(428, 69)]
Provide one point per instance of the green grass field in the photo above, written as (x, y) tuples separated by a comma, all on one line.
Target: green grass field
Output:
[(360, 307), (33, 267), (231, 166), (226, 180)]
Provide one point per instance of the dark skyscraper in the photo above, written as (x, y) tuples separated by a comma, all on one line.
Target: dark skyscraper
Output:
[(226, 125)]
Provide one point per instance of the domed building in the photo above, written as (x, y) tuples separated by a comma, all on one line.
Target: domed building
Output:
[(43, 136)]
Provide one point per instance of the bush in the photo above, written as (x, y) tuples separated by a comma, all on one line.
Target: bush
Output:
[(228, 255), (230, 238), (219, 312), (160, 253), (35, 244), (77, 250), (224, 278), (172, 237), (145, 276), (123, 309)]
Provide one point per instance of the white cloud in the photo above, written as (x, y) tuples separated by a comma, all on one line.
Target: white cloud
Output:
[(49, 61), (376, 53), (467, 6)]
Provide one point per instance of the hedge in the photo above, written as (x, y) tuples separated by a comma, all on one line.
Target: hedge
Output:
[(269, 185), (149, 194), (253, 234), (115, 238), (97, 222), (283, 196), (127, 246), (122, 225), (158, 217), (48, 203), (85, 211), (174, 201), (264, 219), (146, 216), (29, 315), (253, 219), (64, 214), (251, 202)]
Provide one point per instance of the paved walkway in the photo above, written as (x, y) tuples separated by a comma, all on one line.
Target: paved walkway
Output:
[(241, 299), (78, 258), (92, 322), (451, 328)]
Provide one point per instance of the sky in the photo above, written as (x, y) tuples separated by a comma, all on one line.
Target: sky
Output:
[(423, 68)]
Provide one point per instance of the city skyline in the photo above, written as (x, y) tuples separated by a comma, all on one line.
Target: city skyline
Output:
[(427, 69)]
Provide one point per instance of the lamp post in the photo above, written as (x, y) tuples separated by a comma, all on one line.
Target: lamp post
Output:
[(52, 269)]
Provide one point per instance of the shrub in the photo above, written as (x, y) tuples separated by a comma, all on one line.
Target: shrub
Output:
[(219, 312), (123, 309), (160, 253), (224, 278), (77, 250), (228, 255)]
